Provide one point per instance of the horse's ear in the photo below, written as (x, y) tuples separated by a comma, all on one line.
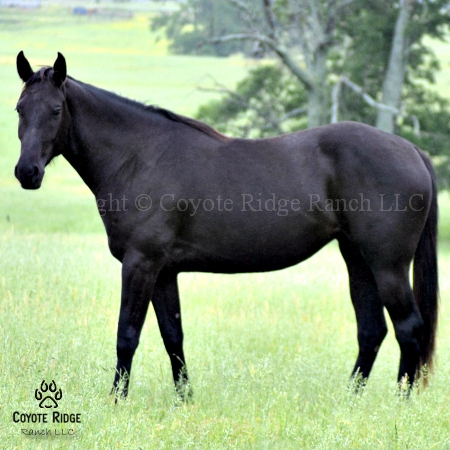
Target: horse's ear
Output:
[(59, 70), (23, 67)]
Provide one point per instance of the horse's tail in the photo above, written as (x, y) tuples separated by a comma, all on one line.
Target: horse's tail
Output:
[(426, 286)]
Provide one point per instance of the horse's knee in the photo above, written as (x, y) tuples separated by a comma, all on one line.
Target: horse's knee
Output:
[(370, 339), (173, 344), (126, 346)]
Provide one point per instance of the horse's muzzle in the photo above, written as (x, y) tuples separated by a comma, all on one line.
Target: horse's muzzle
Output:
[(30, 177)]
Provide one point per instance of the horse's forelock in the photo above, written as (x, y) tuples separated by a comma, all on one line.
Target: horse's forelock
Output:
[(42, 74)]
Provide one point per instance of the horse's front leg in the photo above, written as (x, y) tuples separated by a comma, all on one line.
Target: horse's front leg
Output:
[(166, 303), (138, 280)]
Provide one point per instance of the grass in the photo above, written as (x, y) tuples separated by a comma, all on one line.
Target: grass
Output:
[(269, 354), (269, 357), (269, 365)]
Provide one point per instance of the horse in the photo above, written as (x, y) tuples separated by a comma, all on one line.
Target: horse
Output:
[(175, 195)]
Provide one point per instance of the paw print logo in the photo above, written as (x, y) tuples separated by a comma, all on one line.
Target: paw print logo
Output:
[(48, 395)]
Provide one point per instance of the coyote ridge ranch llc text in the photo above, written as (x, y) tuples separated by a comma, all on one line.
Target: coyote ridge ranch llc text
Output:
[(45, 418), (259, 203)]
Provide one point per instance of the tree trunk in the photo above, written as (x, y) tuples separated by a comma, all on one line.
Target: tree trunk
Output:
[(318, 107), (395, 73)]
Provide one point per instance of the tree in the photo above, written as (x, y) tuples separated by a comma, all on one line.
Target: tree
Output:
[(263, 104), (396, 68), (196, 23), (287, 26), (422, 115), (413, 20), (361, 60), (299, 33)]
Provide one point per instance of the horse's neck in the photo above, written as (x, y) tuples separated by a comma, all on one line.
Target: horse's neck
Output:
[(102, 138)]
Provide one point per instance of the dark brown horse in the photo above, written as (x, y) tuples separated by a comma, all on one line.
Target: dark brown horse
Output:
[(177, 196)]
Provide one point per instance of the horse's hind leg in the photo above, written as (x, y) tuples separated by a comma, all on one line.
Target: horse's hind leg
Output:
[(368, 308), (396, 294)]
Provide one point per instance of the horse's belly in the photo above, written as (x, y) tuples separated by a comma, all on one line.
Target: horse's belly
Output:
[(260, 249)]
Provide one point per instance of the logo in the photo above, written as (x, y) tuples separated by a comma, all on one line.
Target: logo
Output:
[(48, 401), (51, 423)]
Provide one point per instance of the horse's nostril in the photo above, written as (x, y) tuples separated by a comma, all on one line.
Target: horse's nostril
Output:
[(35, 173)]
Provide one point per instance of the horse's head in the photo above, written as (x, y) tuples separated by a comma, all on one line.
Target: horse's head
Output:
[(43, 119)]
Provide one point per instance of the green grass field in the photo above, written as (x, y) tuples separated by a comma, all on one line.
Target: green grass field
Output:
[(269, 355)]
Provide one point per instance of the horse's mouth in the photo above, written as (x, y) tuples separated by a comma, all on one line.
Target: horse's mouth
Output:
[(31, 186)]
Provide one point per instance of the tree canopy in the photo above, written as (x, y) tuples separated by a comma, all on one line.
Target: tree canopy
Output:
[(332, 60)]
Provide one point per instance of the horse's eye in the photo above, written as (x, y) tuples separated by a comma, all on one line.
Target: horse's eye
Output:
[(56, 112)]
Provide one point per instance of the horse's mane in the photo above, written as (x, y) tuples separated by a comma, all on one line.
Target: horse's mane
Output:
[(46, 71), (206, 129)]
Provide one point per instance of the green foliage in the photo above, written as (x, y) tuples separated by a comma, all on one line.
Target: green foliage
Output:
[(196, 22), (433, 114), (261, 105), (369, 32)]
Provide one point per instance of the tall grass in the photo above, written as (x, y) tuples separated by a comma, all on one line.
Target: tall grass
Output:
[(269, 355), (269, 358)]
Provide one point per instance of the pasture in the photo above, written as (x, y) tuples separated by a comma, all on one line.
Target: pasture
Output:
[(269, 354)]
